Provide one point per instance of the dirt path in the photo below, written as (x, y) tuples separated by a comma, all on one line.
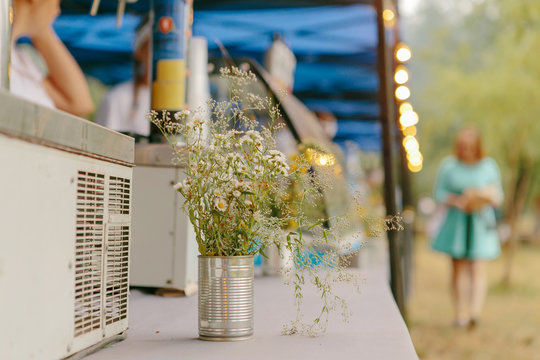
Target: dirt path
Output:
[(510, 325)]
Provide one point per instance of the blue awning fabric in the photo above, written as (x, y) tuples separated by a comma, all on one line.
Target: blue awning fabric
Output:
[(335, 48)]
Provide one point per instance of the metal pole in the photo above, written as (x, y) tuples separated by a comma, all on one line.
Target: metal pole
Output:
[(6, 20), (407, 200), (387, 122)]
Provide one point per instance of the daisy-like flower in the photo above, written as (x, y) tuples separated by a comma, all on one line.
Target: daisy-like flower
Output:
[(181, 114), (220, 204), (236, 193), (239, 183), (242, 169)]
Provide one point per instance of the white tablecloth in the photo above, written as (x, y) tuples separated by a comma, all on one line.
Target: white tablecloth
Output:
[(166, 328)]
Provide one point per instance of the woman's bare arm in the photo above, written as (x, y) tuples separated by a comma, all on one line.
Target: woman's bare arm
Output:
[(66, 84)]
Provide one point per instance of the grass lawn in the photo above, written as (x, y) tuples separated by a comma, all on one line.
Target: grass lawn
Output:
[(509, 328)]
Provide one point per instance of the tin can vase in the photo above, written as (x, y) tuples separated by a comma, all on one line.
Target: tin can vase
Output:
[(225, 298)]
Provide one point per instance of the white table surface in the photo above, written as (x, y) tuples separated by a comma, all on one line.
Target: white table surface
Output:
[(166, 328)]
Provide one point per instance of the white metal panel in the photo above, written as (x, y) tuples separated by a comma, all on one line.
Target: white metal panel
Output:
[(42, 219), (186, 251), (37, 195), (154, 208), (164, 251)]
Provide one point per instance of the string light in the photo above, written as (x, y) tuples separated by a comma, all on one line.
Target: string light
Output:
[(410, 144), (405, 107), (414, 168), (415, 158), (409, 131), (388, 15), (402, 92), (408, 118), (403, 53), (401, 75)]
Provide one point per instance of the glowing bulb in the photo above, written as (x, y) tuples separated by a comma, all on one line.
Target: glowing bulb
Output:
[(410, 144), (388, 15), (414, 168), (401, 76), (409, 131), (403, 92), (403, 53), (405, 107), (408, 118), (415, 158), (325, 160)]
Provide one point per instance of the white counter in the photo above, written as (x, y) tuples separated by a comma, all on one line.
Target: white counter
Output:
[(166, 328)]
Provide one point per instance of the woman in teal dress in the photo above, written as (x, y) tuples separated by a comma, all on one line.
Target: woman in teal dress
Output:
[(469, 184)]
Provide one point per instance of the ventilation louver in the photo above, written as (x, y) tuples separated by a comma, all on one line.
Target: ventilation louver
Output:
[(102, 251)]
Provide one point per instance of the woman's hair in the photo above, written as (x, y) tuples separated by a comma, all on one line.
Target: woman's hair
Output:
[(474, 132)]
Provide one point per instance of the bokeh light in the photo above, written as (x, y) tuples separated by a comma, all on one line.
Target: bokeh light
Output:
[(403, 53), (405, 107), (388, 15), (410, 144), (408, 118), (414, 168), (402, 92), (409, 131), (402, 75)]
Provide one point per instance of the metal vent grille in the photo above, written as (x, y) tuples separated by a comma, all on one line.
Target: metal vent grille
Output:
[(116, 294), (89, 251), (119, 195)]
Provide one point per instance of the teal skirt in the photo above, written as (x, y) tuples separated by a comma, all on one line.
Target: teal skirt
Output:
[(468, 236)]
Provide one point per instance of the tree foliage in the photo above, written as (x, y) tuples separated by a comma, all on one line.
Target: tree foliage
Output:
[(479, 67), (478, 64)]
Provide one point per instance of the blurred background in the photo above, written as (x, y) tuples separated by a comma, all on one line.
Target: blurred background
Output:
[(475, 62)]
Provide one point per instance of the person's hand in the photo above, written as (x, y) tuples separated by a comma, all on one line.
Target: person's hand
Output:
[(457, 201), (477, 198)]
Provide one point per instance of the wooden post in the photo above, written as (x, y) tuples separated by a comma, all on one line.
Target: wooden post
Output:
[(384, 66), (407, 201)]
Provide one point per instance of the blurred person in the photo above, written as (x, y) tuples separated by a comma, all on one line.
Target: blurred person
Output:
[(65, 86), (125, 105), (328, 122), (469, 185)]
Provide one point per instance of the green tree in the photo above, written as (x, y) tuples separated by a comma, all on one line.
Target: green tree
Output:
[(479, 65)]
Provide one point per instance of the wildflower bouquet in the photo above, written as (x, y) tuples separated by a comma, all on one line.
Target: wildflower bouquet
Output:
[(236, 190), (233, 171)]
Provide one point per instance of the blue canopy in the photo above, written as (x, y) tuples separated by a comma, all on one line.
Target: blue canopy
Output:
[(335, 48)]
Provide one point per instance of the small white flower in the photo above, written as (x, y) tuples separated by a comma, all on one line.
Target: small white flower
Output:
[(220, 204), (178, 186), (225, 177), (181, 114), (236, 193), (248, 202)]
